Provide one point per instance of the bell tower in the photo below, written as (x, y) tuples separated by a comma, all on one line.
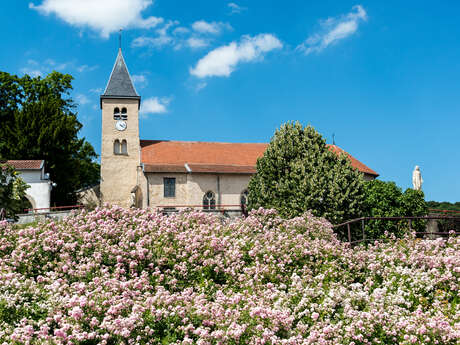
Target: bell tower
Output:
[(120, 151)]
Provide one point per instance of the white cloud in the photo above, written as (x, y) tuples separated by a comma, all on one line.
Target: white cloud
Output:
[(82, 99), (333, 30), (97, 91), (154, 105), (234, 8), (223, 60), (103, 16), (212, 28), (195, 42)]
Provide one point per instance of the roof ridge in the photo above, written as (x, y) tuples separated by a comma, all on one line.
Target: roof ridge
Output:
[(198, 142)]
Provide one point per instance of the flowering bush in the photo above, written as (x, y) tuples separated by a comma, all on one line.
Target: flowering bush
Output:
[(116, 276)]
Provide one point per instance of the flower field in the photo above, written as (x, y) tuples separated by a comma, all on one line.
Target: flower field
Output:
[(116, 276)]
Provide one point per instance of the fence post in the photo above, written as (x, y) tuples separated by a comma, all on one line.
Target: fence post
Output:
[(410, 225), (362, 226), (349, 232)]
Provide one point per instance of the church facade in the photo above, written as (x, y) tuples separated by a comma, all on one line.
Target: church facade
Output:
[(170, 174)]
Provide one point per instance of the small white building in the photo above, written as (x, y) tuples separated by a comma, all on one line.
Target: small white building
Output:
[(33, 173)]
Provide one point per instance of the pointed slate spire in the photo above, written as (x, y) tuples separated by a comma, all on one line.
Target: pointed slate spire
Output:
[(120, 84)]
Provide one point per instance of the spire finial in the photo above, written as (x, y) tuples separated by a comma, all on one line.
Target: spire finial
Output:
[(119, 38), (333, 138)]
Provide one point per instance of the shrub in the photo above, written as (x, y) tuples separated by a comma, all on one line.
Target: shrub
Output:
[(116, 276)]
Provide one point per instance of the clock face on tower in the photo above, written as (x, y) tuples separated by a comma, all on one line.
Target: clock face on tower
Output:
[(120, 125)]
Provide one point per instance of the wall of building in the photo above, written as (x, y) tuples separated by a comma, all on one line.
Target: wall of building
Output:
[(190, 188), (39, 192)]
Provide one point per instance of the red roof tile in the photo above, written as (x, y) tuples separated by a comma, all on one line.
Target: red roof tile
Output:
[(208, 157), (26, 164)]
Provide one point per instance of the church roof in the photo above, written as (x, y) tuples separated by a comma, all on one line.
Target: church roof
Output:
[(120, 84), (208, 157), (354, 162), (26, 164)]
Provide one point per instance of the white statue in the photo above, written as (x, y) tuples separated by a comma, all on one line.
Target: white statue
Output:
[(417, 178)]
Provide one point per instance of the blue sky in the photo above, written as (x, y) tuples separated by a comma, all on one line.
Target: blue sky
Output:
[(384, 76)]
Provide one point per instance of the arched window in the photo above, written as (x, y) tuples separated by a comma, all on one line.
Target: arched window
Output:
[(209, 201), (116, 147), (124, 114), (124, 147), (244, 198), (116, 114)]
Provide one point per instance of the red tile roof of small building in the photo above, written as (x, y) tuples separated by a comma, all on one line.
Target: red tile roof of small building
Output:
[(210, 157), (31, 164)]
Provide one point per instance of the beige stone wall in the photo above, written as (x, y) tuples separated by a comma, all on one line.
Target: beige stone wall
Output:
[(119, 173), (90, 196), (190, 188)]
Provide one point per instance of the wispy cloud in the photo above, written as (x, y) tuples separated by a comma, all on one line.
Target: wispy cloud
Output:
[(200, 86), (199, 35), (86, 68), (97, 91), (103, 16), (235, 8), (154, 105), (139, 80), (213, 28), (35, 68), (33, 72), (162, 38), (195, 42), (222, 61), (334, 30), (82, 99)]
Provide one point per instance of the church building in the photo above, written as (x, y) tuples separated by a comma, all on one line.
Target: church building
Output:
[(170, 174)]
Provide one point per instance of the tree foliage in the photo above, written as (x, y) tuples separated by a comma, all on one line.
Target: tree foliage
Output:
[(386, 199), (39, 121), (12, 191), (298, 172), (444, 205)]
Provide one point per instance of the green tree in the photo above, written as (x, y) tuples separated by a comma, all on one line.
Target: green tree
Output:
[(386, 199), (39, 121), (298, 172), (12, 191)]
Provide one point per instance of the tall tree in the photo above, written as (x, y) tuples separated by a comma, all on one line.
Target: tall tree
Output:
[(39, 121), (298, 172)]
